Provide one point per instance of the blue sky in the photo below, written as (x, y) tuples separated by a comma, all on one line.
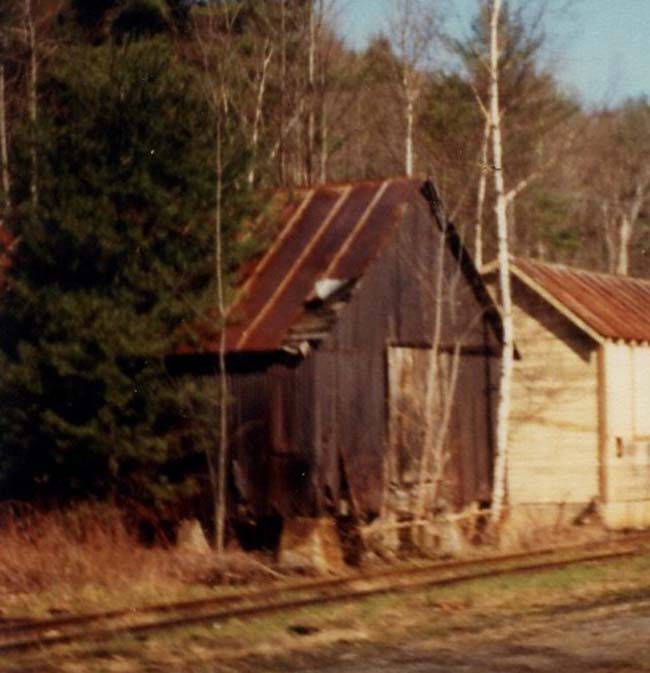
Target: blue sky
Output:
[(600, 48)]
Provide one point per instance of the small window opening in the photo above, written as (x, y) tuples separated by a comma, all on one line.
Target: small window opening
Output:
[(619, 447)]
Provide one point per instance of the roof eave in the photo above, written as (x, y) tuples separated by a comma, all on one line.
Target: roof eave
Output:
[(556, 304)]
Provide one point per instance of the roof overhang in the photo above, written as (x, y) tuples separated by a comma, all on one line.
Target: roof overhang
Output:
[(493, 267)]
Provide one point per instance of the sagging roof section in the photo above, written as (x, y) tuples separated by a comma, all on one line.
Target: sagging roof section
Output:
[(614, 307), (331, 233)]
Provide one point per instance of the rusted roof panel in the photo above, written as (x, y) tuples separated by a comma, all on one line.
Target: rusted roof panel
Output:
[(616, 307), (366, 240), (333, 232), (263, 286)]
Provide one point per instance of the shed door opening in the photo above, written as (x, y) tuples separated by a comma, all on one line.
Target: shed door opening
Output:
[(420, 386), (450, 395)]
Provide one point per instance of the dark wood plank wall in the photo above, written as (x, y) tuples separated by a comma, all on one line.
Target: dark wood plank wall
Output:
[(307, 434)]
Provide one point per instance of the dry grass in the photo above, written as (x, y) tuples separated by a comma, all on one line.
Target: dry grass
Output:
[(71, 548), (86, 558)]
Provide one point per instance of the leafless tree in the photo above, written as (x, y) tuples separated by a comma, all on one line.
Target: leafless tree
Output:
[(616, 165), (507, 357), (214, 39), (533, 113), (414, 27)]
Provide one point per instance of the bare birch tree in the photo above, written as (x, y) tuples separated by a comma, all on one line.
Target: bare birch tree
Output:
[(440, 380), (413, 27), (482, 187), (536, 116), (259, 105), (507, 358), (419, 479)]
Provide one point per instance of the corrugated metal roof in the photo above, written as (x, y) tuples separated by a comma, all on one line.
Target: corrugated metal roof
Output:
[(615, 307), (330, 232)]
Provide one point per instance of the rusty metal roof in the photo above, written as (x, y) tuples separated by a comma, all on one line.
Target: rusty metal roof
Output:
[(614, 307), (329, 232)]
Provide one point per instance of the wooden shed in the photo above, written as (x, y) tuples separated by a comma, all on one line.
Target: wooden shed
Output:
[(331, 343), (580, 423)]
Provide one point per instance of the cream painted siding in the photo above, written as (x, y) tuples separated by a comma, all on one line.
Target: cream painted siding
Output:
[(554, 425), (641, 374), (627, 433)]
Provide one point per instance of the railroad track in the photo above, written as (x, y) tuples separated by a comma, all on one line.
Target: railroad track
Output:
[(22, 634)]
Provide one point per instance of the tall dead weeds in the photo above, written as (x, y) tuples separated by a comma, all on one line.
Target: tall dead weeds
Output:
[(90, 547), (87, 544)]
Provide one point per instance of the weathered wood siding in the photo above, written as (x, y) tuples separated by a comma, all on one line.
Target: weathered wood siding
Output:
[(308, 436), (395, 305), (554, 426), (626, 445)]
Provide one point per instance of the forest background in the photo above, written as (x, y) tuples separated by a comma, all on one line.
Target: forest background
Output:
[(125, 125)]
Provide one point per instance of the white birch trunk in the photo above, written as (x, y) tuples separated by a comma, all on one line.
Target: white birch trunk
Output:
[(440, 385), (505, 384), (259, 108), (432, 400)]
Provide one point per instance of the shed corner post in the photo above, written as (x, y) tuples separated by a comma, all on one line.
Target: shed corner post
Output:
[(603, 428)]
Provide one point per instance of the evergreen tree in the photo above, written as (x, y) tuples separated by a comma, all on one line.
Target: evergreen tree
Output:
[(103, 20), (112, 269)]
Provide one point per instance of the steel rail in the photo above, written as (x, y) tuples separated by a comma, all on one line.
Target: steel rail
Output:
[(23, 624), (41, 633)]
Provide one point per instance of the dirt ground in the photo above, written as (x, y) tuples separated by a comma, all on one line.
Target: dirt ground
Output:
[(610, 639)]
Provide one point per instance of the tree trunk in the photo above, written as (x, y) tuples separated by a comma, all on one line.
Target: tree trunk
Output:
[(440, 383), (220, 500), (259, 108), (324, 140), (624, 236), (408, 159), (432, 401), (505, 383), (610, 240), (283, 84), (311, 89), (627, 222), (480, 201), (32, 83), (4, 146)]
